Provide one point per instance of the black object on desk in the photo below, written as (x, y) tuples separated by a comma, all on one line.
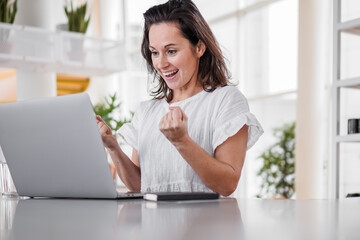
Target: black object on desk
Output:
[(178, 196), (349, 195)]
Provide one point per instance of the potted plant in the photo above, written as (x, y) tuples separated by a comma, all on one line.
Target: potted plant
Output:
[(78, 22), (106, 111), (8, 9), (278, 169), (77, 19)]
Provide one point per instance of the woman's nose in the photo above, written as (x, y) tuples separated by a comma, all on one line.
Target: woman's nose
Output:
[(162, 62)]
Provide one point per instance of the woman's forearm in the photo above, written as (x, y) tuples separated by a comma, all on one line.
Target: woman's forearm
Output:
[(220, 173), (128, 172), (219, 176)]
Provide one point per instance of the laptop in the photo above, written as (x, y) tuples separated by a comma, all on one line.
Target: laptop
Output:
[(53, 148)]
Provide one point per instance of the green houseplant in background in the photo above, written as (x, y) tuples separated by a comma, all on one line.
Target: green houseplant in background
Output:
[(77, 19), (106, 111), (8, 9), (278, 169)]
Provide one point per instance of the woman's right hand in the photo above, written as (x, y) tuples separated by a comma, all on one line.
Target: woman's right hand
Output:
[(106, 133)]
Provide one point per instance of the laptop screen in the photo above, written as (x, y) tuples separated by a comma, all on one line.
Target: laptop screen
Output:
[(54, 149)]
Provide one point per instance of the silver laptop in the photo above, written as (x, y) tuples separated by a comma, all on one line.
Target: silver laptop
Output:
[(54, 149)]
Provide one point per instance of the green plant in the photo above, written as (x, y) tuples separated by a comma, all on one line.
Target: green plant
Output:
[(77, 20), (8, 11), (278, 170), (106, 111)]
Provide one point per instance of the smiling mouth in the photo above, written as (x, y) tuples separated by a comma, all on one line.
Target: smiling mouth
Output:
[(171, 74)]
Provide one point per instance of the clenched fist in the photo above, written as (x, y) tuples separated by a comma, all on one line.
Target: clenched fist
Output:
[(174, 125)]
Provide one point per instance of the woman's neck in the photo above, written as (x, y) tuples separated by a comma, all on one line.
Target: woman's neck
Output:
[(182, 94)]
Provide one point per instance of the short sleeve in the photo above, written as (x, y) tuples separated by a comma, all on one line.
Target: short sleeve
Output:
[(233, 114), (129, 132)]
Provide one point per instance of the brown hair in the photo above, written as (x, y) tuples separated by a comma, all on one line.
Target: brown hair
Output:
[(212, 68)]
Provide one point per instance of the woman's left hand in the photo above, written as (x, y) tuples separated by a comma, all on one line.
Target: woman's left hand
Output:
[(174, 125)]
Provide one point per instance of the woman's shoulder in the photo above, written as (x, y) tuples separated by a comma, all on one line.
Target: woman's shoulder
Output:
[(229, 97), (150, 103), (146, 107), (228, 91)]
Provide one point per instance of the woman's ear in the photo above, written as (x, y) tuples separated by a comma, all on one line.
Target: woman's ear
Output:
[(200, 49)]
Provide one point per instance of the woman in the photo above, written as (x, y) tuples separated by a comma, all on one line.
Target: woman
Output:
[(194, 134)]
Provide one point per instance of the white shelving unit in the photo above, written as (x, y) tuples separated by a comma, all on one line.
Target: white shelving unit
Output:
[(339, 83), (37, 49)]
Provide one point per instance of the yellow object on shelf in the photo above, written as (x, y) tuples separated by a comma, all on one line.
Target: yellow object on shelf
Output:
[(68, 84), (7, 85)]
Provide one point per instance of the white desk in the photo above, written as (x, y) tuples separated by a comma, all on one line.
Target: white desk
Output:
[(137, 219)]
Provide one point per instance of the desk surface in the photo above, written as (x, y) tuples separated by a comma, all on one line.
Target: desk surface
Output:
[(220, 219)]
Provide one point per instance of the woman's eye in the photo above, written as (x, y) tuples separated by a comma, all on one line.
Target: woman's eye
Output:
[(153, 53), (171, 51)]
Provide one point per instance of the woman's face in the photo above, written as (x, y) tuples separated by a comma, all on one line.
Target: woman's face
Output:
[(173, 56)]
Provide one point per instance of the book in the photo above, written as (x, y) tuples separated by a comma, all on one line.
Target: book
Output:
[(179, 196)]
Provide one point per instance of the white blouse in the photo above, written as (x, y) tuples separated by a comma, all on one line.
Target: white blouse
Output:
[(212, 118)]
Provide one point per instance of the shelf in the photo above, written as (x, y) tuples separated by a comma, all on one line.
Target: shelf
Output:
[(352, 26), (348, 83), (351, 29), (348, 138), (37, 49)]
